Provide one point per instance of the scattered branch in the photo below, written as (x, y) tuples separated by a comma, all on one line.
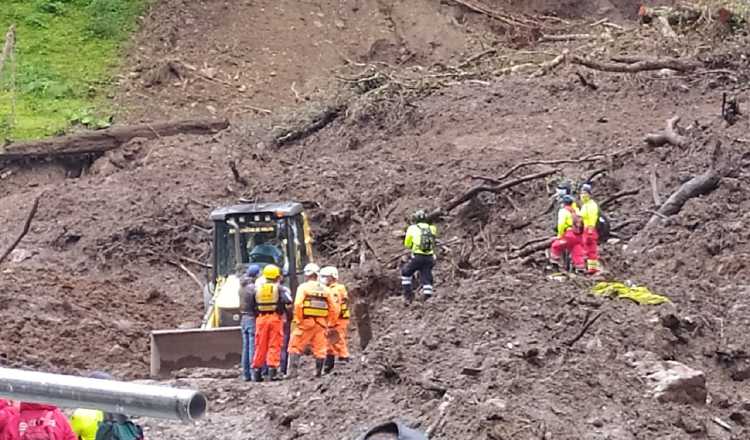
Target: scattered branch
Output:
[(655, 187), (586, 82), (507, 19), (24, 231), (669, 135), (316, 123), (640, 66), (587, 324), (619, 195), (236, 174), (545, 68), (542, 244), (498, 180), (476, 57), (196, 262), (453, 204), (187, 271), (567, 37)]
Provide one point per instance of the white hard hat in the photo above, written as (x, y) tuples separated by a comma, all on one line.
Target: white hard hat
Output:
[(311, 269), (329, 271)]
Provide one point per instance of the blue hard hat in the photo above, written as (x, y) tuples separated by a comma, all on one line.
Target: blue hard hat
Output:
[(253, 270), (567, 200)]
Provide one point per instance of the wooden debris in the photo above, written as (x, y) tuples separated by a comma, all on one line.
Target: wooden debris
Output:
[(24, 231), (100, 141), (669, 135), (680, 65)]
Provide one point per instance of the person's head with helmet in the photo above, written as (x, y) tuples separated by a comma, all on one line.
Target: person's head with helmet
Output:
[(567, 200), (329, 275), (564, 188), (311, 271), (585, 192), (419, 216), (272, 273)]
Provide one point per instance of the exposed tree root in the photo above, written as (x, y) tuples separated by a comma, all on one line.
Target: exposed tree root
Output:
[(24, 231)]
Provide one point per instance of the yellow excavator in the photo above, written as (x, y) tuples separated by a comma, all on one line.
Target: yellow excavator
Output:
[(260, 233)]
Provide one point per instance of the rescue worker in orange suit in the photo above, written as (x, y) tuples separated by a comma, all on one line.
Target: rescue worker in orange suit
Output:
[(569, 235), (329, 278), (590, 217), (314, 312), (269, 304)]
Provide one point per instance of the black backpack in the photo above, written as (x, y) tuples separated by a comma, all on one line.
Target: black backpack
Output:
[(119, 430), (426, 239), (602, 227)]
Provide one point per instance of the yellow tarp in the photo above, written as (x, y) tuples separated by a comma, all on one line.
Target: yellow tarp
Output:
[(641, 295)]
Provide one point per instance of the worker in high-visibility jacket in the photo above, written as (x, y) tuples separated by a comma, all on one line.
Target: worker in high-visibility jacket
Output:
[(269, 305), (315, 311), (569, 235), (337, 334), (590, 217), (421, 240)]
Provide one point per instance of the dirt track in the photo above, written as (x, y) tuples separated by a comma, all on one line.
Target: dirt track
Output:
[(99, 275)]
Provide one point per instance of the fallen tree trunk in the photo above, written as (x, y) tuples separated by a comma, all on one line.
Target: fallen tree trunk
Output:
[(697, 186), (639, 66), (316, 123), (101, 141)]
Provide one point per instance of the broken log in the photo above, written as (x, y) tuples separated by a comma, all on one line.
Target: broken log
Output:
[(668, 135), (465, 197), (24, 231), (542, 244), (679, 65), (316, 123), (546, 67), (100, 141), (697, 186)]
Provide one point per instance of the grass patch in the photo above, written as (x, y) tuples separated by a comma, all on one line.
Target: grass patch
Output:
[(66, 54)]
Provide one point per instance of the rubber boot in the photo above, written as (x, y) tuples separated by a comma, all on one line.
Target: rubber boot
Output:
[(273, 374), (293, 366), (319, 363), (345, 360), (329, 364), (257, 375)]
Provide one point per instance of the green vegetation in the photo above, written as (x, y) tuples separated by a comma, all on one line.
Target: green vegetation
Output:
[(66, 52)]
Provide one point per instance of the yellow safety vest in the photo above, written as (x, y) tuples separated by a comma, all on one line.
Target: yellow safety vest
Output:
[(267, 298), (315, 304)]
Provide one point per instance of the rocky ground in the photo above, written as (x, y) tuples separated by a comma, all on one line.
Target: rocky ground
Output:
[(500, 352)]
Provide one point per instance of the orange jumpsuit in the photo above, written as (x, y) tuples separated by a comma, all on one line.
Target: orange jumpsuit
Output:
[(269, 325), (314, 311), (341, 296)]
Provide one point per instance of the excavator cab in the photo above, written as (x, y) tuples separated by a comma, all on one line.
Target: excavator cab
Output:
[(260, 233)]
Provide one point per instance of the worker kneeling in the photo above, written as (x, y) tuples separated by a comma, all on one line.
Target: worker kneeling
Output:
[(337, 334), (314, 312), (569, 235), (269, 305)]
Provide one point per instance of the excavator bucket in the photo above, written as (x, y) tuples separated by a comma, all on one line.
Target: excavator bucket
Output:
[(172, 350)]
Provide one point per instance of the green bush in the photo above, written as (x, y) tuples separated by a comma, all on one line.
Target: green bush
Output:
[(109, 18)]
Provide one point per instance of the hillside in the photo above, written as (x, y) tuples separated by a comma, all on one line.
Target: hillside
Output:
[(428, 102)]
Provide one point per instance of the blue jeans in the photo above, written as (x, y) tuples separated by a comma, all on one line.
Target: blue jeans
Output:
[(248, 344)]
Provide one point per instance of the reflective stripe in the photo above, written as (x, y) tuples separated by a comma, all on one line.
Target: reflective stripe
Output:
[(345, 314), (405, 281), (427, 289)]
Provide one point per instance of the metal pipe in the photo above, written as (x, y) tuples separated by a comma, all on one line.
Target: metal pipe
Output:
[(106, 395)]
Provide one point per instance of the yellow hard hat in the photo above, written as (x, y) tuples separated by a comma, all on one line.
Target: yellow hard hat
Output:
[(271, 272)]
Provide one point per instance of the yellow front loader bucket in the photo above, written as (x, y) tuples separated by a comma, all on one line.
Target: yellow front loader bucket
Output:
[(212, 345), (172, 350)]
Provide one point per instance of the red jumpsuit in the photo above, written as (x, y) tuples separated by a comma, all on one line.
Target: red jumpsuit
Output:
[(569, 237), (590, 217)]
